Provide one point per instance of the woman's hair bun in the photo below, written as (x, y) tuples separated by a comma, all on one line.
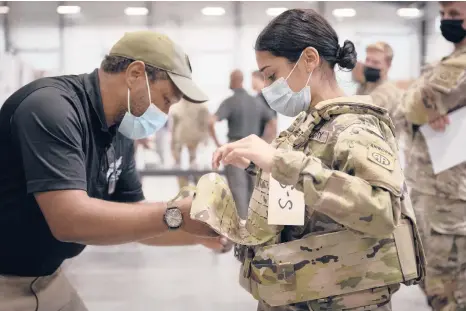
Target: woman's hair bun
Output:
[(347, 56)]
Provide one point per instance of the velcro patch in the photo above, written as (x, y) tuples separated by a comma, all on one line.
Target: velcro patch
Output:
[(320, 136), (381, 156), (445, 78)]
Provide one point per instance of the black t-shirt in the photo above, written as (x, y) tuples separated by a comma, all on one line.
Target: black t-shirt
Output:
[(54, 136)]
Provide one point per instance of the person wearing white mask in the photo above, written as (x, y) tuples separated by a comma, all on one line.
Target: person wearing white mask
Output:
[(330, 202), (68, 171)]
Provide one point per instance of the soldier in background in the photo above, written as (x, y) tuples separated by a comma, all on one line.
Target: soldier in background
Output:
[(440, 199), (160, 143), (190, 127), (268, 129), (373, 77), (245, 115)]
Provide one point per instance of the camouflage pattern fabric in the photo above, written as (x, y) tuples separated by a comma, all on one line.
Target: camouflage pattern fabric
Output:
[(343, 156), (215, 206), (445, 282), (190, 123), (305, 306), (439, 200), (387, 95), (384, 94), (190, 128), (441, 88)]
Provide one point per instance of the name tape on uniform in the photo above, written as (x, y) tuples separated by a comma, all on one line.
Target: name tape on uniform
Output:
[(286, 205)]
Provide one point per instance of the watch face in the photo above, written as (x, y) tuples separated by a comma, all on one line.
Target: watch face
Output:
[(173, 217)]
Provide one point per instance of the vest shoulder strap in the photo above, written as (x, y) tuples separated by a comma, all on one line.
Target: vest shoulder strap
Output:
[(323, 111)]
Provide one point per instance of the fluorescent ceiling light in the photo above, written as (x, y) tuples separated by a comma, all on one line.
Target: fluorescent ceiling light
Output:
[(136, 11), (409, 12), (4, 9), (275, 11), (347, 12), (213, 11), (68, 9)]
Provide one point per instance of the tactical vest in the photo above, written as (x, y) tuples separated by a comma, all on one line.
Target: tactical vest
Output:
[(368, 269)]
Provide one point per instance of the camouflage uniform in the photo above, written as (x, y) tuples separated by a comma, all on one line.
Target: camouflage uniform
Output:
[(439, 200), (359, 240), (190, 127), (387, 95)]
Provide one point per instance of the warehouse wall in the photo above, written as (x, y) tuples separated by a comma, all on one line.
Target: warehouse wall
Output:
[(214, 44)]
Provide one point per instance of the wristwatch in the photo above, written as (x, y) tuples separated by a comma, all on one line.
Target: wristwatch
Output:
[(251, 169), (173, 218)]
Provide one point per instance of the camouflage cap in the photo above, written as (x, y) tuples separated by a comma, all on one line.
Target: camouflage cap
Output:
[(159, 51)]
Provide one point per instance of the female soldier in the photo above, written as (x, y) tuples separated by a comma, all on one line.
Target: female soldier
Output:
[(359, 240)]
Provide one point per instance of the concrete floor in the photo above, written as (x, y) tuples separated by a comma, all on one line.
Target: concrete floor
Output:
[(142, 278)]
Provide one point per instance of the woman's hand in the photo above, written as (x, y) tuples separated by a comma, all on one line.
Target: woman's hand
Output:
[(240, 153)]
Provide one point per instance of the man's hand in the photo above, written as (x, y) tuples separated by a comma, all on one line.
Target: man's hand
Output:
[(437, 120), (439, 124), (192, 226), (219, 244)]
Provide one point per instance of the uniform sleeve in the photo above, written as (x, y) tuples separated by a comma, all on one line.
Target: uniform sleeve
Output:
[(49, 134), (357, 191), (224, 111), (414, 108), (389, 97), (382, 98), (440, 88), (128, 188)]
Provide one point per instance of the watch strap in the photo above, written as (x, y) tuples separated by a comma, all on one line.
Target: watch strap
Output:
[(251, 169)]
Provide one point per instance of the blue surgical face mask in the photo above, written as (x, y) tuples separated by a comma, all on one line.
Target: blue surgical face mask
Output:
[(147, 124), (284, 100)]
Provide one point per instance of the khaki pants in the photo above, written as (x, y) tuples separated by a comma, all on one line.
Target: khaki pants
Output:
[(183, 181), (46, 293)]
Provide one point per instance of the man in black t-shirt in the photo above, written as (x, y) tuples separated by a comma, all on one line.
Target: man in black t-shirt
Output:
[(68, 176)]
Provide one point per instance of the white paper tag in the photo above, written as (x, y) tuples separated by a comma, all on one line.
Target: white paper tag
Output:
[(286, 205)]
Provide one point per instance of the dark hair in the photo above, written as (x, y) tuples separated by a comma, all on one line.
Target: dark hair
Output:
[(117, 64), (288, 34)]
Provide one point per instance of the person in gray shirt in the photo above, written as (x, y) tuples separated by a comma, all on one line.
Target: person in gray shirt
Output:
[(245, 115), (268, 128)]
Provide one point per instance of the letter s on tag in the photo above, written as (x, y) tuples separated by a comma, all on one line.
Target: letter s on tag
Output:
[(286, 205)]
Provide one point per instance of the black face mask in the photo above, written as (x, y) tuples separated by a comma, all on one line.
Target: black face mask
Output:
[(452, 30), (371, 74)]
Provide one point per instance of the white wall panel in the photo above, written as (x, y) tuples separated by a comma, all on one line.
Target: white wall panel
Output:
[(89, 36), (2, 37), (214, 45), (34, 31), (368, 27)]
